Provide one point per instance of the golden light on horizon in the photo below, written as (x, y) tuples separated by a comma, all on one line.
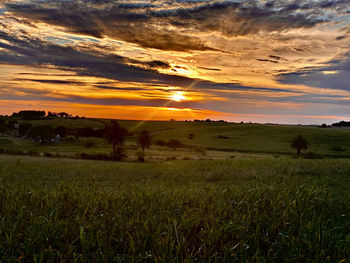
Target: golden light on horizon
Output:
[(178, 96)]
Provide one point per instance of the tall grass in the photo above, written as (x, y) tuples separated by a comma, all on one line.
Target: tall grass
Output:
[(206, 211)]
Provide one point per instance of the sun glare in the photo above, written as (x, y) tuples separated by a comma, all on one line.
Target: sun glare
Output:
[(178, 96)]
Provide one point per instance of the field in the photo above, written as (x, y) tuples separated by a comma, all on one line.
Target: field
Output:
[(218, 140), (241, 197), (244, 210)]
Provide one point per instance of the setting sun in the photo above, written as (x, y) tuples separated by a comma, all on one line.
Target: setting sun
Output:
[(178, 96)]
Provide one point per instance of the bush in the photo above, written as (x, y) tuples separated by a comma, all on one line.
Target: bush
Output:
[(337, 149), (222, 137), (118, 155), (160, 143), (174, 144), (140, 156), (33, 153), (14, 152), (2, 151), (48, 154), (171, 158), (312, 155)]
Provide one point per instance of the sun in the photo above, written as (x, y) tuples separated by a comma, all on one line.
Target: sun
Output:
[(178, 96)]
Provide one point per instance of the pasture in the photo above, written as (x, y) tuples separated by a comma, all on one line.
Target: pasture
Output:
[(216, 140)]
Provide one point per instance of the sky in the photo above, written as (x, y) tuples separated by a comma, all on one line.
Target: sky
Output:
[(264, 61)]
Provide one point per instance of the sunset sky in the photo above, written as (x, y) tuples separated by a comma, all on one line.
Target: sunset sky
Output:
[(282, 61)]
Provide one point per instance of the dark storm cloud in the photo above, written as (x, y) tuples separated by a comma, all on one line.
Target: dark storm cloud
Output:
[(158, 26)]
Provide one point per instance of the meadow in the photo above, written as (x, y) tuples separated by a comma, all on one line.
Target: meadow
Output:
[(245, 210), (217, 140)]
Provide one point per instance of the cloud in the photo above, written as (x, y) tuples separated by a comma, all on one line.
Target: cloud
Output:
[(334, 75), (35, 52), (53, 81), (161, 26)]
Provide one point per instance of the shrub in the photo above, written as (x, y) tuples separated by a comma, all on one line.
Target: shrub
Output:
[(2, 151), (337, 149), (33, 153), (160, 143), (140, 156), (222, 137), (174, 144), (14, 152), (119, 154), (48, 154), (171, 158)]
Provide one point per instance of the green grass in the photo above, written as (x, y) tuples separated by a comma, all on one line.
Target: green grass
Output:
[(242, 138), (205, 211)]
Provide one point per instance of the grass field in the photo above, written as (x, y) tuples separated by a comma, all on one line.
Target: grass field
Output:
[(216, 137), (246, 210)]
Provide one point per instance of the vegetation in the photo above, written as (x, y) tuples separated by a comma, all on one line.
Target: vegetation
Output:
[(299, 143), (254, 204), (217, 211), (144, 140), (115, 135)]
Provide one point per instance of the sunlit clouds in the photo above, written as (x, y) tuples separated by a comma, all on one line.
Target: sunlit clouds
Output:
[(265, 61)]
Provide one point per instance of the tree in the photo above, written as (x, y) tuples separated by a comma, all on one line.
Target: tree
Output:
[(174, 144), (299, 143), (115, 135), (23, 129), (41, 133), (190, 136), (144, 140), (62, 131)]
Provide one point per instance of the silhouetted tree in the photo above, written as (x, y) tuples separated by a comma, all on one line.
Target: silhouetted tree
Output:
[(62, 131), (144, 140), (115, 135), (2, 126), (63, 114), (174, 144), (11, 124), (23, 129), (299, 143), (29, 114), (41, 133)]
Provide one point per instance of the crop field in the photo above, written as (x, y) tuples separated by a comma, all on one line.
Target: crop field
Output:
[(241, 210), (230, 193)]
